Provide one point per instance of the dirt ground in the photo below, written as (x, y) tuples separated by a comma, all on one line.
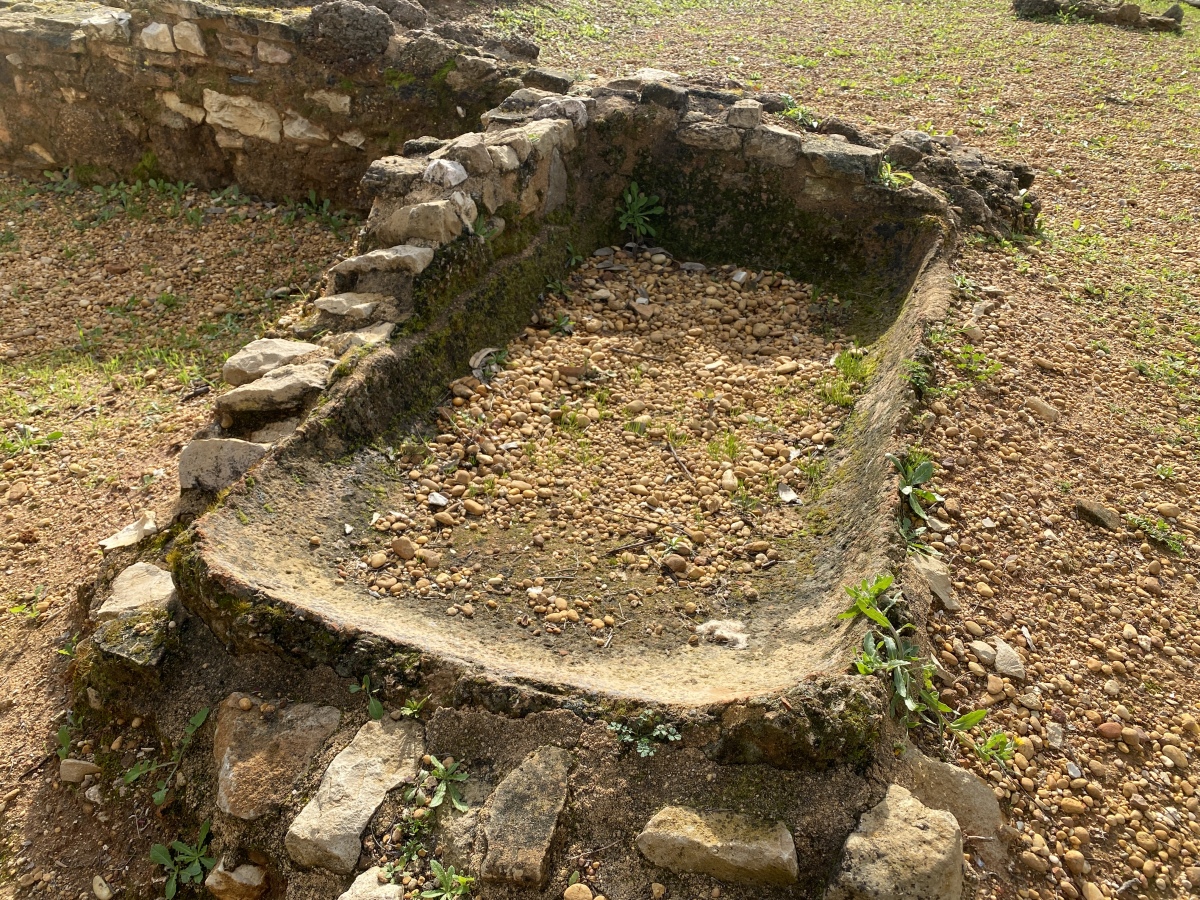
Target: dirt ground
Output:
[(115, 309)]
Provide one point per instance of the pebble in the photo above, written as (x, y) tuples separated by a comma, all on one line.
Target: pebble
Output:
[(101, 889), (577, 891)]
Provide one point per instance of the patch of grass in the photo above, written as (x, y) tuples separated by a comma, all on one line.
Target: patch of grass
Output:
[(1158, 531)]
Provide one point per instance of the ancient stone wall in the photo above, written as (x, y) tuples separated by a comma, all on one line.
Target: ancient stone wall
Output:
[(278, 103)]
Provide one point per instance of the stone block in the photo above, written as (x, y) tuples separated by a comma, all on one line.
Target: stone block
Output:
[(212, 464), (367, 886), (727, 846), (832, 158), (357, 307), (522, 816), (328, 829), (157, 37), (773, 145), (259, 357), (436, 221), (244, 882), (901, 850), (404, 258), (189, 39), (710, 136), (193, 114), (745, 114), (258, 757), (243, 115), (273, 54), (142, 587), (283, 388), (297, 128)]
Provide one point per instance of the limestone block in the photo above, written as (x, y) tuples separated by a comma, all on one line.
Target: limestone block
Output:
[(368, 887), (437, 222), (840, 159), (212, 464), (745, 114), (351, 305), (710, 136), (327, 831), (334, 102), (936, 574), (157, 37), (470, 151), (73, 771), (727, 846), (404, 258), (298, 128), (521, 818), (773, 145), (110, 25), (235, 43), (244, 882), (140, 588), (446, 173), (243, 115), (258, 757), (901, 850), (504, 158), (283, 388), (353, 138), (259, 357), (964, 795), (189, 39), (274, 54)]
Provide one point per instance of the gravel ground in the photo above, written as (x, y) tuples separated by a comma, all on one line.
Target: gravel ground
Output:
[(116, 312)]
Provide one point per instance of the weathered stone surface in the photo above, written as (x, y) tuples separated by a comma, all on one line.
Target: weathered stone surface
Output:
[(350, 305), (73, 771), (710, 136), (936, 574), (139, 588), (259, 357), (373, 334), (212, 464), (272, 54), (346, 35), (298, 128), (243, 115), (326, 833), (133, 533), (436, 221), (1007, 661), (777, 146), (521, 817), (745, 114), (1099, 514), (901, 850), (331, 100), (964, 795), (157, 37), (368, 887), (244, 882), (109, 24), (445, 173), (841, 159), (404, 258), (258, 757), (1043, 410), (470, 151), (282, 388), (553, 80), (403, 12), (172, 102), (666, 95), (727, 846), (189, 39)]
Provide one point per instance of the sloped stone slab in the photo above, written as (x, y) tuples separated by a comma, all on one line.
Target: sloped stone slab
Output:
[(727, 846), (327, 831), (258, 757), (259, 357), (833, 158), (284, 388), (521, 818), (212, 464), (351, 305), (141, 587), (404, 258), (901, 850)]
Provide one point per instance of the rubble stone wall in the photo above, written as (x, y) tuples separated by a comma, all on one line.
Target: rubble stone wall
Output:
[(278, 103)]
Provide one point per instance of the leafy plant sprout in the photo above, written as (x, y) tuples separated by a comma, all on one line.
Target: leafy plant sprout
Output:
[(636, 212), (184, 863), (644, 733), (914, 473), (374, 707), (146, 766), (436, 782)]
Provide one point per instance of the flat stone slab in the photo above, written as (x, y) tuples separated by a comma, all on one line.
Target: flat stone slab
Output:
[(259, 756), (282, 388), (140, 588), (350, 305), (727, 846), (404, 258), (73, 771), (328, 829), (522, 816), (901, 850), (215, 463), (259, 357)]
